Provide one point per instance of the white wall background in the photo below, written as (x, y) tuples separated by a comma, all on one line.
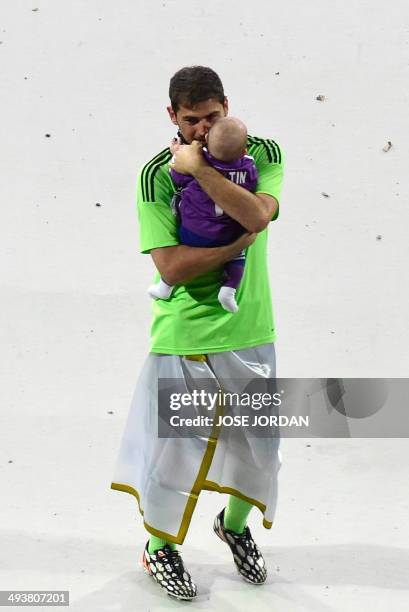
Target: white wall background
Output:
[(75, 314)]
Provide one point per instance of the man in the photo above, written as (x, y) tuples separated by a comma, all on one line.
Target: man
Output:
[(192, 337)]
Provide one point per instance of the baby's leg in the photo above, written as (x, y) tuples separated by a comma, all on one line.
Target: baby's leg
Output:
[(163, 291), (233, 271), (160, 291)]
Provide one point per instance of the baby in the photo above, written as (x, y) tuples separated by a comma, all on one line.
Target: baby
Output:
[(202, 222)]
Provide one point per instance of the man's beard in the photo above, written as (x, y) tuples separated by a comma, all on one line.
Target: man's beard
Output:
[(182, 139)]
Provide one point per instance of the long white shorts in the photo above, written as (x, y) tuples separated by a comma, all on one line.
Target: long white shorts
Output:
[(166, 475)]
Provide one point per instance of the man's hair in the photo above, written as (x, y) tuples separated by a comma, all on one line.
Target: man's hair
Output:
[(194, 84)]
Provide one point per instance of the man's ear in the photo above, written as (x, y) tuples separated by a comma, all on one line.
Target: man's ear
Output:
[(226, 106), (172, 115)]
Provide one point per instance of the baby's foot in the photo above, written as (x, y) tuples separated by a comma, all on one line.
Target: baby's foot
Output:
[(160, 291), (227, 299)]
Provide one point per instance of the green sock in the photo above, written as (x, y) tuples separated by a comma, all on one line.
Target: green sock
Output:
[(155, 543), (236, 514)]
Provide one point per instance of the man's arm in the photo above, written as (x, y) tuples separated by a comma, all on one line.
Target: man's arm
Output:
[(252, 211), (180, 264), (159, 230)]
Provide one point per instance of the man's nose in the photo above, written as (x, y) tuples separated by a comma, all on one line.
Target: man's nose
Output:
[(203, 127)]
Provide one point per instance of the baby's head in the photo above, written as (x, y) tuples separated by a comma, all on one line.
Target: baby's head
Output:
[(227, 139)]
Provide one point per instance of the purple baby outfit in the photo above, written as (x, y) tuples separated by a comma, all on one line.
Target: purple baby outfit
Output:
[(203, 223)]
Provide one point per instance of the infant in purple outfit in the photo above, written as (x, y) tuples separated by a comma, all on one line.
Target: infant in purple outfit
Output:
[(202, 222)]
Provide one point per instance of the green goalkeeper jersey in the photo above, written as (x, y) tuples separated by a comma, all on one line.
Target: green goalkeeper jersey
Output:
[(192, 321)]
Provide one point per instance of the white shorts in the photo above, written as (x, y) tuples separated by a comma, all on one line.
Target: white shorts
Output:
[(166, 475)]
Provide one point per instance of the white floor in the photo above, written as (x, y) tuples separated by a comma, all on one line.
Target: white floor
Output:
[(75, 315), (340, 541)]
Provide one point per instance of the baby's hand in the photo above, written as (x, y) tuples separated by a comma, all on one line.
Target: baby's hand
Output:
[(175, 145)]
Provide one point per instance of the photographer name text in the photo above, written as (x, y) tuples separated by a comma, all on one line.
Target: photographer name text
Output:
[(240, 421)]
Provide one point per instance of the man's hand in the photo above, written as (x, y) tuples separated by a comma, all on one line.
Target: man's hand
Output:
[(189, 159)]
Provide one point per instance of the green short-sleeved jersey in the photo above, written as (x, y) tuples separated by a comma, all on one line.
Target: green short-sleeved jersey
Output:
[(192, 321)]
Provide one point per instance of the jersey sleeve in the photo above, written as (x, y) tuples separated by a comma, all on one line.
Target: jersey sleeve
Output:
[(158, 226), (269, 160)]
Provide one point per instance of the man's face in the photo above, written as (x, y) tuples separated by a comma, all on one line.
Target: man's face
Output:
[(194, 123)]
